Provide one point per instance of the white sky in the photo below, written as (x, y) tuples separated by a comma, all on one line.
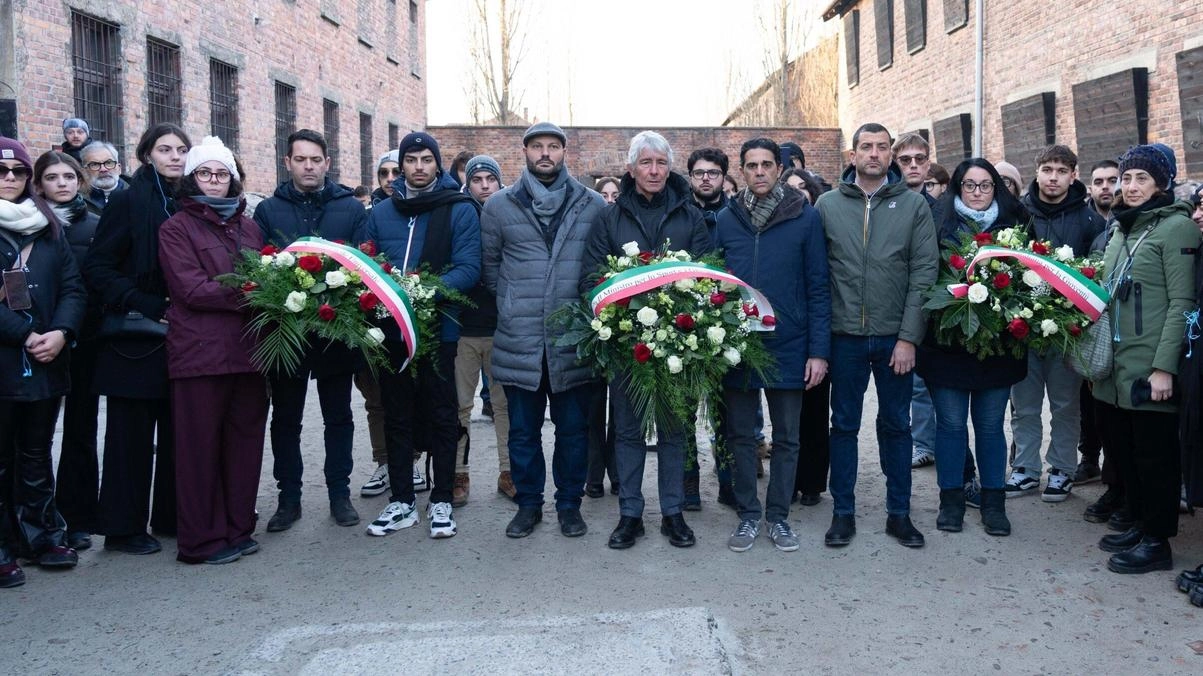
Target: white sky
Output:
[(619, 62)]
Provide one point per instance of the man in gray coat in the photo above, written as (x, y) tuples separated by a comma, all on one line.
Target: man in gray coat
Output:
[(533, 235)]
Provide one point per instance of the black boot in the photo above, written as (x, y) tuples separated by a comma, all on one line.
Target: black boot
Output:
[(286, 514), (952, 510), (524, 521), (1189, 579), (628, 529), (994, 512), (1101, 510), (1121, 542), (1153, 553)]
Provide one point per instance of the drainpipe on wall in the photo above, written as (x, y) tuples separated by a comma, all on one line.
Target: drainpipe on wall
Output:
[(978, 69)]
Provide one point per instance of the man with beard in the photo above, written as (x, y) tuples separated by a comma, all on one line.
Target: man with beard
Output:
[(1104, 179), (1056, 200), (707, 168), (428, 224), (104, 174), (534, 234)]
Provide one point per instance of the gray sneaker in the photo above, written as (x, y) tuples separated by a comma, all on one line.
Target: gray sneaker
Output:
[(745, 536), (783, 538)]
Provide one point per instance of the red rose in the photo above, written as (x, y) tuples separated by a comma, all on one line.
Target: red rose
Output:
[(368, 247), (956, 262), (249, 286), (600, 280), (368, 301), (1040, 248), (340, 241), (718, 298), (751, 310), (685, 322), (768, 320), (387, 267), (325, 312), (645, 256), (1088, 272), (1002, 280), (623, 303), (268, 250), (1075, 330), (1018, 328), (310, 264), (642, 352), (983, 238)]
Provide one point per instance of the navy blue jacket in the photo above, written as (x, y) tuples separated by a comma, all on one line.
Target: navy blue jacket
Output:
[(787, 262), (332, 213)]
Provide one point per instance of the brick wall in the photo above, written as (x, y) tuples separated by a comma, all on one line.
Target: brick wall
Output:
[(1031, 47), (602, 151), (326, 49)]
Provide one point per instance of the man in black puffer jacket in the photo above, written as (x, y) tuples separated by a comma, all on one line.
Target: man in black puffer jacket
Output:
[(310, 204)]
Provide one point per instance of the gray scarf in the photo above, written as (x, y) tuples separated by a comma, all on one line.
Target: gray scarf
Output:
[(224, 206), (761, 208), (546, 200)]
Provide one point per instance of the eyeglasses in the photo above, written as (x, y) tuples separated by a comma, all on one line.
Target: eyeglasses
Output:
[(389, 171), (207, 175), (19, 173), (983, 187), (930, 184), (911, 159), (1008, 182), (107, 164), (705, 173)]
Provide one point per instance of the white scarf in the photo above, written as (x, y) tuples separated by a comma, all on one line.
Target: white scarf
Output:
[(23, 218)]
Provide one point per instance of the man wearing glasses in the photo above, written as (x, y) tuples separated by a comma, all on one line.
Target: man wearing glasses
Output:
[(388, 169), (104, 174), (913, 155)]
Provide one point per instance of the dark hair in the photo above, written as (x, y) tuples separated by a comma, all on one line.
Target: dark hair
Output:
[(307, 135), (362, 191), (761, 144), (1104, 164), (734, 183), (461, 161), (190, 188), (869, 128), (809, 184), (709, 155), (150, 136), (790, 150), (1010, 210), (52, 157), (607, 179), (937, 173), (1060, 154)]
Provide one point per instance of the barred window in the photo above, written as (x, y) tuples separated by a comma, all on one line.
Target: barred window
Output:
[(223, 102), (366, 161), (330, 129), (394, 136), (96, 61), (163, 99), (286, 123), (415, 65)]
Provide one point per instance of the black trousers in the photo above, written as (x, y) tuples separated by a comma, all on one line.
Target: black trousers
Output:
[(1144, 447), (423, 395), (77, 488), (1091, 443), (814, 435), (131, 460), (288, 408), (29, 520), (601, 437)]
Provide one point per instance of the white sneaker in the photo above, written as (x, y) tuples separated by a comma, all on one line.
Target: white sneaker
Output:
[(1059, 486), (396, 516), (922, 458), (377, 483), (441, 523), (420, 485), (1020, 483)]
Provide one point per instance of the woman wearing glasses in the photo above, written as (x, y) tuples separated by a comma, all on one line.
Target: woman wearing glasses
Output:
[(42, 302), (123, 269), (1149, 265), (960, 383), (220, 399)]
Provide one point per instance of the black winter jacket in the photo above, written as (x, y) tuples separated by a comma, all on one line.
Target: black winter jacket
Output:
[(332, 213), (80, 229), (1071, 221)]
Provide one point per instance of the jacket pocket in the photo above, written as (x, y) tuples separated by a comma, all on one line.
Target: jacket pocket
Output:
[(1138, 292)]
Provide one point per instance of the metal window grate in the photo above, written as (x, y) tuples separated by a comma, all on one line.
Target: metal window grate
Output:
[(366, 164), (163, 100), (96, 61), (415, 64), (394, 136), (330, 129), (286, 123), (223, 102)]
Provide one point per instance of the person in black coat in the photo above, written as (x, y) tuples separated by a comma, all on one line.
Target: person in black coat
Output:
[(41, 306), (1190, 410), (122, 268), (59, 179), (310, 204)]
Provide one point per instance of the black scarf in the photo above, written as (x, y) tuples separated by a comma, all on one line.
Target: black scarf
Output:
[(1126, 216), (70, 213)]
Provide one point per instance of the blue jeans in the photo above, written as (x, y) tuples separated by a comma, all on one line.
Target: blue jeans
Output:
[(923, 418), (853, 358), (954, 407), (570, 459)]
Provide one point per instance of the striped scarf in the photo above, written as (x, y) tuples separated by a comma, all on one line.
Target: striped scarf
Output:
[(761, 208)]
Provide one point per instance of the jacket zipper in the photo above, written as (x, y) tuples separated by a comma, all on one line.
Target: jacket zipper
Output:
[(1136, 288), (864, 279)]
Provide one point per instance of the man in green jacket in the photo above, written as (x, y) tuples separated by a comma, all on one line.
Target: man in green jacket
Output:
[(882, 251)]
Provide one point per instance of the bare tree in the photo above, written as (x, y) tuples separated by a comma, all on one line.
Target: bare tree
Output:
[(785, 29), (498, 46)]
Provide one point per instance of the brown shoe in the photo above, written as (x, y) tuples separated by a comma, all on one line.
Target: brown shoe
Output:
[(505, 485), (459, 492)]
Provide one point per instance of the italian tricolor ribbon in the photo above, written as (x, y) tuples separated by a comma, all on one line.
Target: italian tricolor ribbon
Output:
[(1086, 295), (646, 278), (390, 293)]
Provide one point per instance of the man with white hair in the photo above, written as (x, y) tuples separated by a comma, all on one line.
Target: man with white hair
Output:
[(654, 209), (104, 174)]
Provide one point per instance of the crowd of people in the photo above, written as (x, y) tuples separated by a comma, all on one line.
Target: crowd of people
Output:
[(110, 289)]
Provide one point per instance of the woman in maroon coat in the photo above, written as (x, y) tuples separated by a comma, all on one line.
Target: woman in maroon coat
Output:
[(219, 399)]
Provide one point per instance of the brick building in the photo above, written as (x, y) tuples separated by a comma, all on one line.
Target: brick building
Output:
[(250, 73), (594, 152), (1085, 73)]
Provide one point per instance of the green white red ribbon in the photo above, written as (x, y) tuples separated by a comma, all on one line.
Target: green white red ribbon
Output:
[(379, 282), (644, 278), (1086, 295)]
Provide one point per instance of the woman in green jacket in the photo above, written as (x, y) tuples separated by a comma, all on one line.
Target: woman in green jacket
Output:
[(1150, 272)]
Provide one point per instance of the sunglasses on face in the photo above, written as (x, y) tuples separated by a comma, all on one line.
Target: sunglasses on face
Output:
[(385, 173), (19, 173)]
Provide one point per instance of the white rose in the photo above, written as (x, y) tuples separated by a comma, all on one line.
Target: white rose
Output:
[(684, 284), (1048, 327), (732, 356), (604, 333), (661, 334), (624, 262), (691, 341), (284, 259), (716, 334), (1026, 313), (647, 316), (1064, 253), (295, 302), (978, 293), (659, 353), (1031, 278), (996, 307), (674, 364), (683, 256), (375, 336), (596, 325), (631, 249), (335, 279), (265, 260)]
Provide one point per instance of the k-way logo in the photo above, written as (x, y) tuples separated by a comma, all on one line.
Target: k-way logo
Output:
[(892, 205)]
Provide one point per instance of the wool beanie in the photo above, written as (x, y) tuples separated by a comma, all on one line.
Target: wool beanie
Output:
[(211, 148), (1169, 156), (76, 123), (482, 163), (544, 129), (1151, 160), (418, 140), (11, 149), (390, 156)]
